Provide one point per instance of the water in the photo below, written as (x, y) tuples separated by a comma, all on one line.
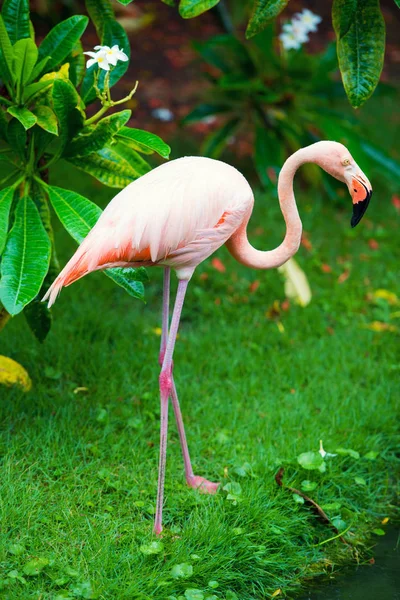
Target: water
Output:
[(380, 581)]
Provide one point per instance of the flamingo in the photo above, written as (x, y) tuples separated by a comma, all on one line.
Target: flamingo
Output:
[(175, 217)]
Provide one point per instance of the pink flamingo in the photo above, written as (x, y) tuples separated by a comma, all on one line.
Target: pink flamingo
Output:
[(175, 217)]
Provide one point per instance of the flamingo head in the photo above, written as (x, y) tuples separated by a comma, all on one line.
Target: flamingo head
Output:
[(336, 160)]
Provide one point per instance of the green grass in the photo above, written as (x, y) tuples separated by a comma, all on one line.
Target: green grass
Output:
[(78, 468)]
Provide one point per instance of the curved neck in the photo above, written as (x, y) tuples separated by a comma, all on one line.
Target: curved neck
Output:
[(240, 247)]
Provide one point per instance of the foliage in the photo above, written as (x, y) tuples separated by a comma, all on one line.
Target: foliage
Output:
[(359, 28), (280, 101), (44, 96)]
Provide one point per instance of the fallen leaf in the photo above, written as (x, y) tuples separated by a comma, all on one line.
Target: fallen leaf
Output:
[(285, 305), (396, 202), (326, 268), (12, 373), (276, 593), (385, 521), (386, 295), (218, 265), (344, 276), (157, 331), (254, 286), (380, 326), (305, 241), (274, 311), (373, 244), (297, 287)]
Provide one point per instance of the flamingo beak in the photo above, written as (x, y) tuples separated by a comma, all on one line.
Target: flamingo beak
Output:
[(361, 192)]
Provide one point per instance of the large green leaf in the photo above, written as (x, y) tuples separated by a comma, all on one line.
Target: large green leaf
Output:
[(98, 136), (60, 41), (263, 12), (6, 54), (361, 51), (38, 317), (25, 57), (46, 119), (65, 103), (126, 2), (143, 141), (16, 18), (193, 8), (79, 215), (16, 135), (3, 125), (76, 60), (343, 12), (115, 166), (267, 151), (100, 11), (202, 111), (6, 198), (33, 89), (26, 258), (24, 116)]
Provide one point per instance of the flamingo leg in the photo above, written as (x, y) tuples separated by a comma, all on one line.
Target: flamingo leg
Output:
[(194, 481)]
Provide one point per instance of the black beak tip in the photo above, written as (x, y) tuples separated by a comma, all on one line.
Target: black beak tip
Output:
[(359, 209)]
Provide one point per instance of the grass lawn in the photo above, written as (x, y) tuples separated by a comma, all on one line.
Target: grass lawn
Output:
[(79, 453)]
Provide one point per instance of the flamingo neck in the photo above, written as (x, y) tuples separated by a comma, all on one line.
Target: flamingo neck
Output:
[(239, 245)]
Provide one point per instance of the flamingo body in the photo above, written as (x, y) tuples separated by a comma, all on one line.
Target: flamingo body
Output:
[(176, 216)]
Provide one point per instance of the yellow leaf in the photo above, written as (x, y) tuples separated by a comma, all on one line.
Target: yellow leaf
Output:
[(280, 326), (157, 330), (386, 295), (276, 593), (297, 287), (62, 73), (12, 373), (380, 326), (385, 520)]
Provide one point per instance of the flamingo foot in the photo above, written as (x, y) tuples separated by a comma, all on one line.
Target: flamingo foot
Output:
[(157, 530), (203, 485)]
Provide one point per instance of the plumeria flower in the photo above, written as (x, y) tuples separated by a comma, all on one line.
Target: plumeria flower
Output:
[(308, 19), (113, 55), (297, 30), (322, 451), (163, 114), (97, 58), (290, 41)]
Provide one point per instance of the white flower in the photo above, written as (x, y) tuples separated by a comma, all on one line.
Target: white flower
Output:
[(113, 55), (97, 58), (290, 41), (106, 56), (163, 114), (307, 19), (296, 30), (322, 451)]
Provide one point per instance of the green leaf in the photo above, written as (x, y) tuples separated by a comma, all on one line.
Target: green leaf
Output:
[(6, 57), (263, 12), (6, 198), (60, 41), (39, 68), (3, 125), (25, 57), (348, 452), (215, 143), (31, 90), (378, 531), (39, 318), (311, 461), (16, 135), (193, 8), (194, 594), (371, 455), (152, 548), (267, 152), (343, 13), (397, 3), (308, 486), (182, 571), (35, 566), (361, 51), (360, 481), (144, 141), (26, 258), (76, 60), (125, 2), (78, 215), (16, 19), (65, 103), (24, 116), (100, 11), (98, 136), (115, 166), (46, 119)]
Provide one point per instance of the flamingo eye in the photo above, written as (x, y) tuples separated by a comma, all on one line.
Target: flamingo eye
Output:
[(345, 162)]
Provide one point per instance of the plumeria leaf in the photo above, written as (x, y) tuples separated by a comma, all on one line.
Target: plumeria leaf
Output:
[(361, 51), (16, 135), (343, 13), (16, 19), (100, 11), (99, 135), (46, 119), (78, 215), (25, 57), (125, 2), (143, 141), (203, 111), (24, 116), (6, 198), (33, 89), (39, 318), (12, 373), (76, 60), (193, 8), (215, 143), (6, 54), (115, 166), (26, 258), (66, 107), (263, 12), (60, 41), (39, 68)]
